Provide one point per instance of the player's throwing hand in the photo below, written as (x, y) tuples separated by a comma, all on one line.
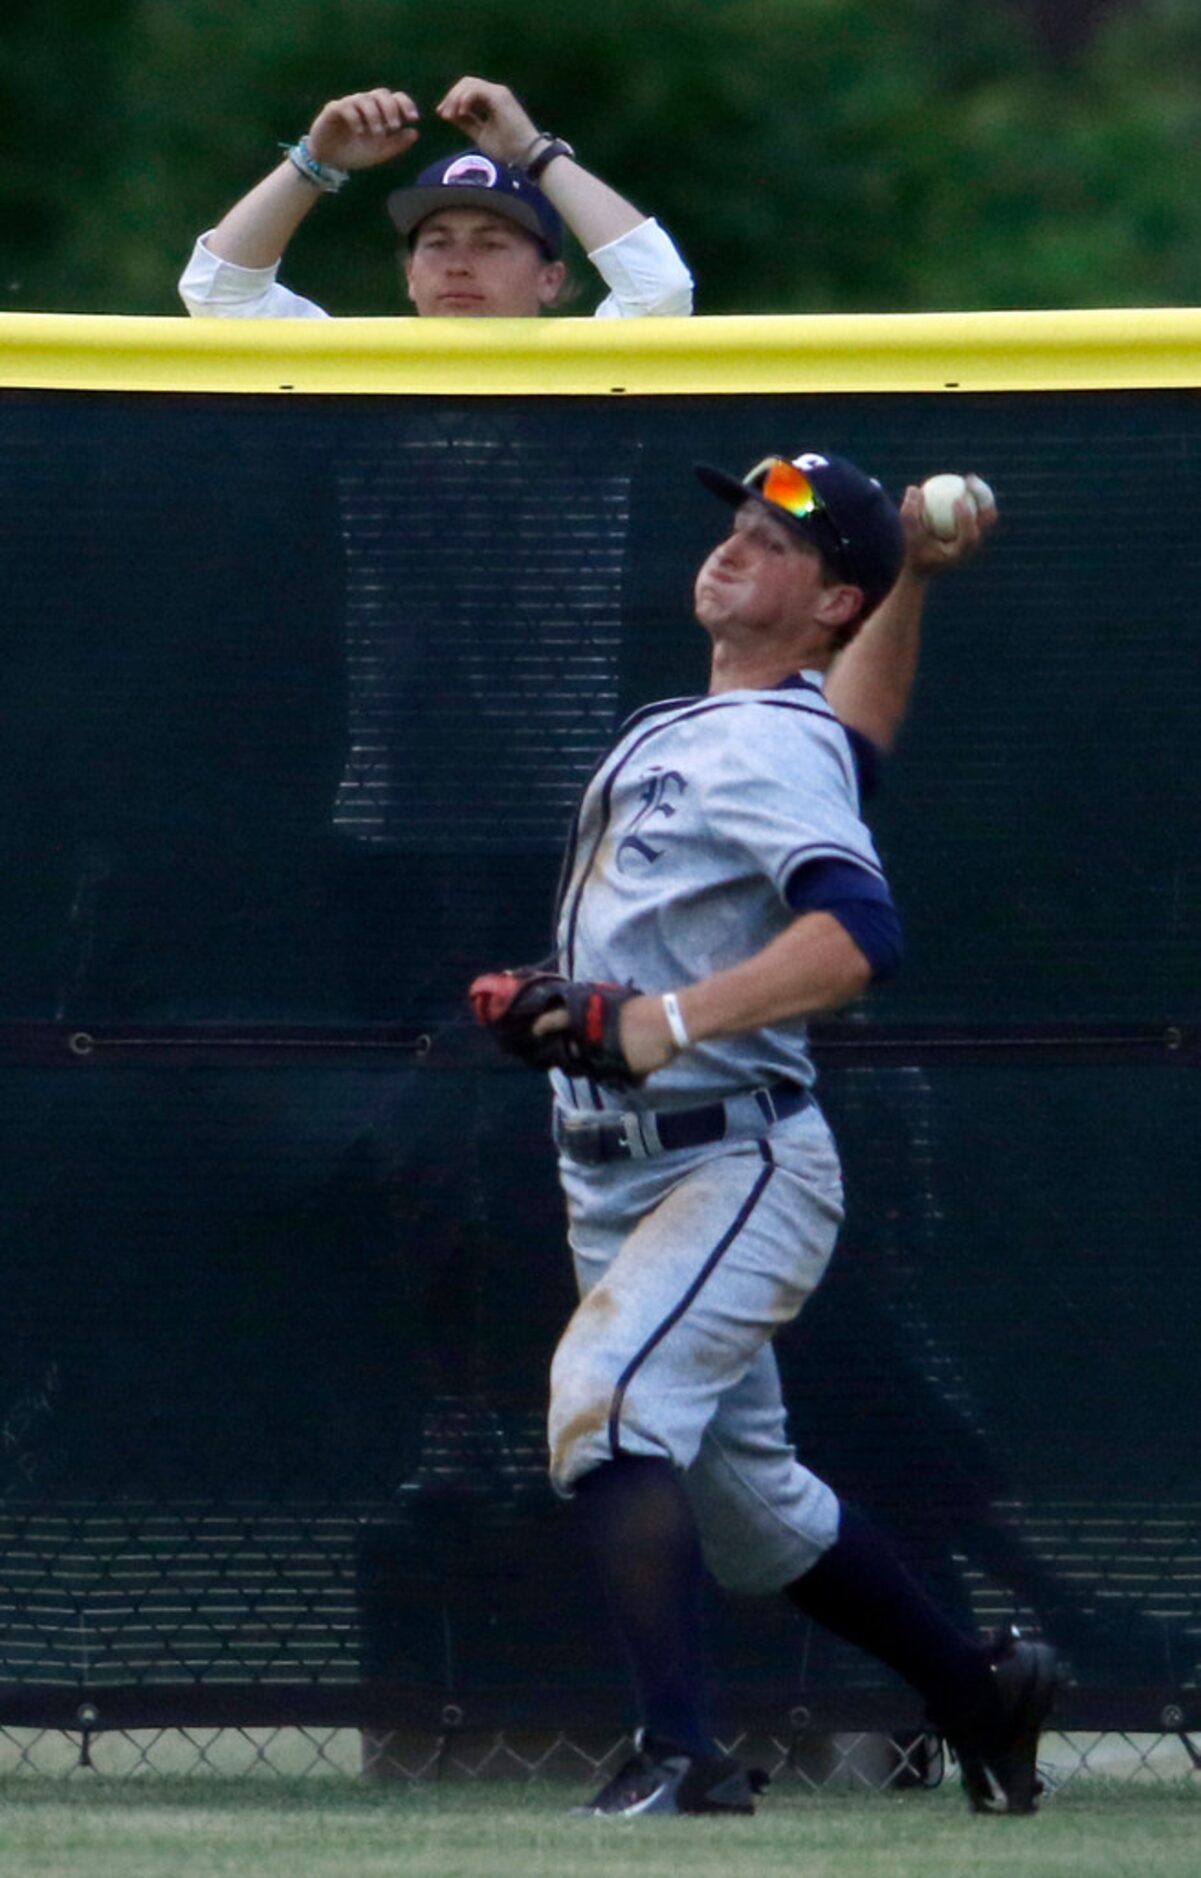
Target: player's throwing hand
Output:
[(937, 540)]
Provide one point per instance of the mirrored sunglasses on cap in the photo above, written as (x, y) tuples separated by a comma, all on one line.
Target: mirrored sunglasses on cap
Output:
[(781, 482), (787, 487)]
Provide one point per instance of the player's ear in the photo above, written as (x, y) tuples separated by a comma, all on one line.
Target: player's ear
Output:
[(840, 606)]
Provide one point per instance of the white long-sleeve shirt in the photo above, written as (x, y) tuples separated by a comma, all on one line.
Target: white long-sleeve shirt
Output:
[(642, 269)]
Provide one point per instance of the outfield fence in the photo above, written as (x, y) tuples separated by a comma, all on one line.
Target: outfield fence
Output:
[(845, 1761), (312, 637)]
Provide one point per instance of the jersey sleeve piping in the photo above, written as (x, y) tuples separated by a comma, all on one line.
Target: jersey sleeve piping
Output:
[(824, 851)]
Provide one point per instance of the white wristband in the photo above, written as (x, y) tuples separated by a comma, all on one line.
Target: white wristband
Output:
[(675, 1021)]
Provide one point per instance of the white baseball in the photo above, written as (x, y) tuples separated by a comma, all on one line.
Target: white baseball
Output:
[(941, 493)]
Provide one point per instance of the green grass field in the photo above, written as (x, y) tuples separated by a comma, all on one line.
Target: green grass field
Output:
[(92, 1828)]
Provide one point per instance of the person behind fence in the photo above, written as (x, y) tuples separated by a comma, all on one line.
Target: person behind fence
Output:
[(482, 229), (720, 887)]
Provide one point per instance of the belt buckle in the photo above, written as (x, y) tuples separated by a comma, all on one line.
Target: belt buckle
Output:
[(592, 1140)]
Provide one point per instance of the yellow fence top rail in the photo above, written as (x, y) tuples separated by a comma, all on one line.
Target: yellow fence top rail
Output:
[(1132, 348)]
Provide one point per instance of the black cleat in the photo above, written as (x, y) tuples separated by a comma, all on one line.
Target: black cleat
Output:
[(661, 1778), (996, 1740)]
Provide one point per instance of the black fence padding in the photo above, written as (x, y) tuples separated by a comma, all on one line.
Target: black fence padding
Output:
[(297, 697)]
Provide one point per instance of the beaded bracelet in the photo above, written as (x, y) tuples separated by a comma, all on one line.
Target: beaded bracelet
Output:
[(323, 176)]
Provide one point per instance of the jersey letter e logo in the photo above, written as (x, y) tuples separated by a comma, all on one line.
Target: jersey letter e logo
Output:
[(661, 789)]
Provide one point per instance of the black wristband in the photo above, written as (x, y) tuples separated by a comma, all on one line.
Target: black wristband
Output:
[(549, 151)]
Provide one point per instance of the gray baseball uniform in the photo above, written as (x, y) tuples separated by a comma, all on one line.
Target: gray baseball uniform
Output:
[(690, 1259), (702, 1185)]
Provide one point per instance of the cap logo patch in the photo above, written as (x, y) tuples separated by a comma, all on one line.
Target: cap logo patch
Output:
[(811, 460), (472, 168)]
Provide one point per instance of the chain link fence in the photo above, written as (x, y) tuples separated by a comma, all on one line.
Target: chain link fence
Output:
[(840, 1762), (195, 1611)]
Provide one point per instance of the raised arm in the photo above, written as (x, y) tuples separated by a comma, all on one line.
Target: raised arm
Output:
[(490, 116), (870, 683), (596, 214), (352, 133)]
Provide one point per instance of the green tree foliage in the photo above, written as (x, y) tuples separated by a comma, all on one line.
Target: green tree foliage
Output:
[(60, 66), (808, 155)]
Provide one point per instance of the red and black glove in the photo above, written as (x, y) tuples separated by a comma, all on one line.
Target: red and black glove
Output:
[(509, 1004)]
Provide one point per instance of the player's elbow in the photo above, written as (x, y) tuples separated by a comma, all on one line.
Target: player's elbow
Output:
[(874, 930), (859, 901), (849, 973)]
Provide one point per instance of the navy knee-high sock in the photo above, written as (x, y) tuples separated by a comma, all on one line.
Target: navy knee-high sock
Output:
[(861, 1592), (645, 1541)]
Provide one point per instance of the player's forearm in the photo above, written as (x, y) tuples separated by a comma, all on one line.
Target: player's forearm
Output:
[(870, 684), (257, 229), (814, 965)]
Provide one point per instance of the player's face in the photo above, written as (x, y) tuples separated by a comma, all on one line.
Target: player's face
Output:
[(761, 581), (465, 263)]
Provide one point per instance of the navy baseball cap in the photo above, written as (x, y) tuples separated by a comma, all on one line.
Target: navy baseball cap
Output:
[(472, 180), (831, 505)]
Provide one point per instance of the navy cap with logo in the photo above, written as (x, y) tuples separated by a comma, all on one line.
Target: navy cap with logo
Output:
[(830, 504), (472, 180)]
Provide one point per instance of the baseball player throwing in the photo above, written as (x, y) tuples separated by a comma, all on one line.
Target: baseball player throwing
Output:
[(720, 886)]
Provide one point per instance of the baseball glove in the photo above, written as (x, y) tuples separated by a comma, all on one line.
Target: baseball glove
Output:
[(509, 1004)]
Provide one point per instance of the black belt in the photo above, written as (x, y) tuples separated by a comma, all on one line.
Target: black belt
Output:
[(592, 1139)]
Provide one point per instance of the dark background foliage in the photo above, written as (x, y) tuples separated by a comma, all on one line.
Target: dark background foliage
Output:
[(808, 155)]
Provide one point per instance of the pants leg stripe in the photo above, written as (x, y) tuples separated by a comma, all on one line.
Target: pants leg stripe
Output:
[(673, 1317)]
